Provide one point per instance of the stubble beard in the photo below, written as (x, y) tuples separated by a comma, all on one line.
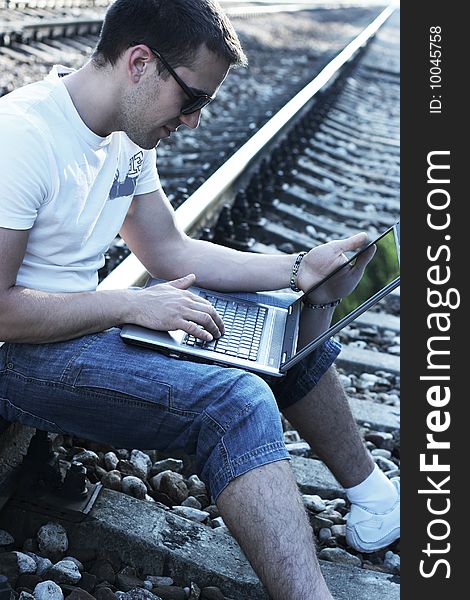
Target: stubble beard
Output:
[(132, 111)]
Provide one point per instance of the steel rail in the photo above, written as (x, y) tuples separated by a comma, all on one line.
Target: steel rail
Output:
[(213, 193)]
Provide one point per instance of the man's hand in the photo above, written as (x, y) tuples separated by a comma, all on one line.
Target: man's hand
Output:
[(323, 260), (169, 306)]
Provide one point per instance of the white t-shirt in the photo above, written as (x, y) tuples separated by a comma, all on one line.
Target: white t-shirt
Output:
[(69, 186)]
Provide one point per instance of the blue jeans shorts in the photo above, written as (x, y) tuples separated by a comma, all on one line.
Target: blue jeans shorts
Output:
[(99, 388)]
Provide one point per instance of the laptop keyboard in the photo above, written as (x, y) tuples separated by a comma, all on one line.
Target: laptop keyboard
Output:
[(243, 329)]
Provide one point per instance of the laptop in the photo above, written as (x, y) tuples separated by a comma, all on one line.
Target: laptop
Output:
[(262, 337)]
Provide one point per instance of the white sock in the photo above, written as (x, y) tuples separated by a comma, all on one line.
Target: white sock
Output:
[(376, 493)]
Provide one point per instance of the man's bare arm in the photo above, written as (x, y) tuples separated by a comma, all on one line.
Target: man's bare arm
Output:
[(152, 233), (33, 316), (28, 315)]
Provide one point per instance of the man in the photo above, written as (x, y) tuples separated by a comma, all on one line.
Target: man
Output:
[(78, 163)]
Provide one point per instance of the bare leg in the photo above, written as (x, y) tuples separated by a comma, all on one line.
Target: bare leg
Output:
[(264, 511), (323, 418)]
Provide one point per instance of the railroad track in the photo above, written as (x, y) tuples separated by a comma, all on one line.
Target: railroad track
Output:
[(324, 166)]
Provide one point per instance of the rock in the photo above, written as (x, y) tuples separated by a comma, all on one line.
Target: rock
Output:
[(194, 591), (381, 439), (42, 564), (134, 486), (104, 593), (5, 538), (166, 592), (339, 532), (336, 503), (122, 453), (314, 502), (137, 594), (80, 594), (211, 593), (65, 571), (384, 463), (319, 522), (87, 458), (52, 539), (48, 590), (223, 529), (338, 555), (324, 534), (299, 448), (26, 564), (392, 561), (381, 452), (25, 596), (169, 464), (128, 468), (88, 582), (332, 515), (112, 480), (141, 461), (126, 582), (100, 472), (157, 580), (213, 511), (196, 487), (192, 502), (193, 514), (291, 436), (156, 480), (345, 380), (217, 522), (76, 561), (174, 486), (110, 461)]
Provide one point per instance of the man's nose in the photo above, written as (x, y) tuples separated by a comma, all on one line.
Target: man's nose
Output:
[(192, 120)]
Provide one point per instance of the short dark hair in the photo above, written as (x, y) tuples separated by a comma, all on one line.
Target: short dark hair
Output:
[(177, 28)]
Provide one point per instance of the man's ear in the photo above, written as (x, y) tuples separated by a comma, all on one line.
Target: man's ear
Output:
[(137, 59)]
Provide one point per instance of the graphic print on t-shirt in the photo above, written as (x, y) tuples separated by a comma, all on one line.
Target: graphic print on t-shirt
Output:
[(126, 187)]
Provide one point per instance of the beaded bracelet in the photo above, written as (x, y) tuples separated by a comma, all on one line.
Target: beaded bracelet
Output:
[(295, 270), (326, 305)]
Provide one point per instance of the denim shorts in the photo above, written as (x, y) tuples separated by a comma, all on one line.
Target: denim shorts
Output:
[(99, 388)]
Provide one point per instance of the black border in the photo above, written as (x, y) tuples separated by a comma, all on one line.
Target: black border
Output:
[(421, 133)]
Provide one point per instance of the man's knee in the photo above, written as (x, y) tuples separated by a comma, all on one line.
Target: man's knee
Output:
[(247, 434)]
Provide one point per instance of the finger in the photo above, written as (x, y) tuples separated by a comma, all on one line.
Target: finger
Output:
[(205, 320), (204, 305), (193, 328), (363, 259), (353, 243), (184, 282)]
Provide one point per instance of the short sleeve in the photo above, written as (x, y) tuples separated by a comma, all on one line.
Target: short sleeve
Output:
[(149, 180), (26, 182)]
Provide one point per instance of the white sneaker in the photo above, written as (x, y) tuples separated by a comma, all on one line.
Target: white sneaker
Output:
[(367, 531)]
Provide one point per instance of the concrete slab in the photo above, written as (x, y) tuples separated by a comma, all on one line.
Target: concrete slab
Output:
[(153, 539), (382, 417), (357, 360), (313, 477)]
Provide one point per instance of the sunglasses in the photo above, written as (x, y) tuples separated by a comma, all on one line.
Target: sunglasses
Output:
[(197, 99)]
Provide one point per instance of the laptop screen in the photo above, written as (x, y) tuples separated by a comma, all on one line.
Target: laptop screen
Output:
[(381, 274)]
